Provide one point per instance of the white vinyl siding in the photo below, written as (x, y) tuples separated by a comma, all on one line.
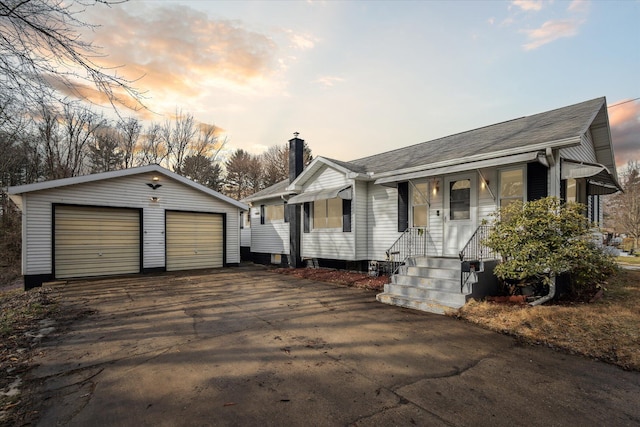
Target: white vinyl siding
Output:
[(268, 238), (96, 241), (194, 240), (383, 219), (584, 152), (330, 243), (126, 192), (359, 215)]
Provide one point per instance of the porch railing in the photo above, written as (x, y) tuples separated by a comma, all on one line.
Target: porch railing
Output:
[(474, 253), (413, 242)]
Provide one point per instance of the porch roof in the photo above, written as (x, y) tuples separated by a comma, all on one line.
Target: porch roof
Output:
[(497, 161), (343, 192), (600, 179)]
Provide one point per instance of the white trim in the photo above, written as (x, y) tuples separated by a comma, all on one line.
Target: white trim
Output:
[(45, 185), (464, 167)]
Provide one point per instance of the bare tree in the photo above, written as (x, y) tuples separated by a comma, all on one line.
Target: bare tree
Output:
[(624, 207), (178, 137), (41, 49), (276, 163), (65, 137), (128, 136), (152, 149)]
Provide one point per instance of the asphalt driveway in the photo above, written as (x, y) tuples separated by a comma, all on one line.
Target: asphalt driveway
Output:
[(245, 346)]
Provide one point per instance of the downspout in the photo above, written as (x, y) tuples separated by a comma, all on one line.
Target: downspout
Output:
[(550, 295)]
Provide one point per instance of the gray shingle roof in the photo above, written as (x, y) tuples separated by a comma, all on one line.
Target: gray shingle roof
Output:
[(549, 126), (277, 188), (554, 125)]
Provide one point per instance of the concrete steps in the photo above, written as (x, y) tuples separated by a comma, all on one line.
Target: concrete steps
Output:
[(427, 284)]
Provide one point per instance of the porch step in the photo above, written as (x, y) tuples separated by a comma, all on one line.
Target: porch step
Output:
[(426, 283), (430, 306)]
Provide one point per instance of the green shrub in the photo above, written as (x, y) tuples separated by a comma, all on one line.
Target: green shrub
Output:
[(541, 238)]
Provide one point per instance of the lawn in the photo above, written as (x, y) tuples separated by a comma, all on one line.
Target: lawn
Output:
[(632, 260), (607, 329)]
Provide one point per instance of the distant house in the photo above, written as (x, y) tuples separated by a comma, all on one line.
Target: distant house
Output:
[(135, 220), (425, 203)]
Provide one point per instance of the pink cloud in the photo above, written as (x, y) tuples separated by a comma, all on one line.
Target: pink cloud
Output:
[(550, 31), (175, 48), (624, 119), (528, 5)]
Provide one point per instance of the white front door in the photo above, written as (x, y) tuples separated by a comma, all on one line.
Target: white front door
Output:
[(460, 210)]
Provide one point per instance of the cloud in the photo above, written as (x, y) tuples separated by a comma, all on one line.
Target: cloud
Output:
[(528, 5), (329, 80), (178, 50), (301, 41), (550, 31), (625, 131)]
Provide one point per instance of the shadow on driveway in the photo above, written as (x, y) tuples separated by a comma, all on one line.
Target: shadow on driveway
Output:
[(245, 346)]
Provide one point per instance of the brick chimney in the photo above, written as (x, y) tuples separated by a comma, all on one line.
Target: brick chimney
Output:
[(296, 164)]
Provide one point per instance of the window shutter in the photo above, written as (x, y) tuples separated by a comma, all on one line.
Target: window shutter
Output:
[(307, 217), (403, 206), (286, 212), (563, 191), (536, 181), (346, 215), (261, 214), (241, 220)]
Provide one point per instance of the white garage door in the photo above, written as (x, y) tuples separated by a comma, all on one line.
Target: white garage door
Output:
[(194, 240), (96, 241)]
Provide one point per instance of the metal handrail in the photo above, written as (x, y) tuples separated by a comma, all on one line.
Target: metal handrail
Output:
[(475, 249), (474, 253), (412, 242)]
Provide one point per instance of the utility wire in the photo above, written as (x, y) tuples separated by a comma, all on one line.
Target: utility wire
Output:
[(623, 102)]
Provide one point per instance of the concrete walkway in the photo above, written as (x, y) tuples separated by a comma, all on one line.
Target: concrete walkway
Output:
[(246, 347)]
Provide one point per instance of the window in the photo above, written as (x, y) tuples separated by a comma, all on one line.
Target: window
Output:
[(511, 186), (572, 190), (245, 219), (419, 204), (274, 213), (460, 199), (327, 213)]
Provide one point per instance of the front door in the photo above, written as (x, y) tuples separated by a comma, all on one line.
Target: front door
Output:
[(461, 201)]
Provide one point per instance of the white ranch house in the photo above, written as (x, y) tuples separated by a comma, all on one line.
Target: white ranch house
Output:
[(137, 220), (423, 205)]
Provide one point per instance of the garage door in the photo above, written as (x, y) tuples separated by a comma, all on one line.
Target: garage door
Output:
[(194, 240), (96, 241)]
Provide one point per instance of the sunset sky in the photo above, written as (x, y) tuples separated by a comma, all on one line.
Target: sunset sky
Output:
[(359, 78)]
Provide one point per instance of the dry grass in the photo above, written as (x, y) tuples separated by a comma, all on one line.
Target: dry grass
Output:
[(608, 329), (633, 260)]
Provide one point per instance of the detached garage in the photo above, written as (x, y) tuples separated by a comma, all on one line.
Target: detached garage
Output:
[(129, 221)]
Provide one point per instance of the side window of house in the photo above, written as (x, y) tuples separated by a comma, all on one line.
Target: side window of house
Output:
[(327, 213), (274, 213), (511, 186), (571, 190)]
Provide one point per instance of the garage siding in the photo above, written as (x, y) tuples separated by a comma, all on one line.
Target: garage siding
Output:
[(96, 241), (194, 240)]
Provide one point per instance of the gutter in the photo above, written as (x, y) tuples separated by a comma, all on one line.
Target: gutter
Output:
[(561, 143)]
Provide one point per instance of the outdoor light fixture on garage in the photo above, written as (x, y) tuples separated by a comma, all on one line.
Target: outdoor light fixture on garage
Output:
[(154, 185)]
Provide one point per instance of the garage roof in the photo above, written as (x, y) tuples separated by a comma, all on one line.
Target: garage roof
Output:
[(56, 183)]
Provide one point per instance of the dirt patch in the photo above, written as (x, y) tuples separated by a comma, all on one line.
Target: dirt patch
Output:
[(339, 277), (26, 318)]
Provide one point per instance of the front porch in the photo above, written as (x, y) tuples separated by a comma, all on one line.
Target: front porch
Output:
[(437, 284)]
